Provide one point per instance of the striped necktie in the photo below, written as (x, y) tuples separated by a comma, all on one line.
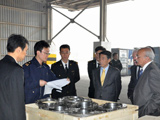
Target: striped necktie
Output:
[(140, 73)]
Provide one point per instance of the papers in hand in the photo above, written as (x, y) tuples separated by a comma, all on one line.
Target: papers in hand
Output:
[(58, 84)]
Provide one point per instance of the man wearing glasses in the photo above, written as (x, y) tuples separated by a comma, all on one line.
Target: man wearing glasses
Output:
[(66, 68), (37, 73)]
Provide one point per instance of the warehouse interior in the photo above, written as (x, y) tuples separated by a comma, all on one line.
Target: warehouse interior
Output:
[(33, 19)]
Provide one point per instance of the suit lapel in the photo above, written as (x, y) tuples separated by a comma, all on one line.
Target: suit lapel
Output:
[(94, 64), (109, 72), (136, 72), (70, 66), (61, 66), (98, 76), (141, 79)]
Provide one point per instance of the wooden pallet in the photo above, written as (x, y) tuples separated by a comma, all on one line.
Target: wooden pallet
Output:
[(129, 113)]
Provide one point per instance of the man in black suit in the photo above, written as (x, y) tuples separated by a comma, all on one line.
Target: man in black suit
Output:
[(134, 76), (66, 68), (107, 79), (147, 91), (12, 106), (91, 66), (115, 62)]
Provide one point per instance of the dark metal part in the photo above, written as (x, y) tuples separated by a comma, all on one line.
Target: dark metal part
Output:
[(77, 106)]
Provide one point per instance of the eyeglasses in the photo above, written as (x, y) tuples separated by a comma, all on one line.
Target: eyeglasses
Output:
[(45, 53), (64, 52)]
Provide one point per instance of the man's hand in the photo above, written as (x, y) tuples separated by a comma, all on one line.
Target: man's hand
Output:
[(42, 83), (68, 80)]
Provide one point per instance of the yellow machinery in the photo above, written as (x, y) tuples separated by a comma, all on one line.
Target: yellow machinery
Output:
[(51, 59)]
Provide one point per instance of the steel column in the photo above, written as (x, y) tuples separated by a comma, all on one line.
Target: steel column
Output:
[(103, 13), (49, 23)]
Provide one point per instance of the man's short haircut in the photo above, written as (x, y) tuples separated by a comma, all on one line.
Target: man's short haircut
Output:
[(149, 53), (15, 41), (100, 48), (114, 54), (40, 45), (135, 50), (107, 53), (64, 46), (151, 48)]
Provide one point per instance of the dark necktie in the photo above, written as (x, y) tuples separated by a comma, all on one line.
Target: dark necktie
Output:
[(140, 72), (98, 65), (66, 69)]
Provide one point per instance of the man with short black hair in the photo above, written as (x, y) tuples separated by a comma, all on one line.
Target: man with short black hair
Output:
[(93, 64), (12, 106), (37, 73), (115, 62), (66, 68), (106, 79)]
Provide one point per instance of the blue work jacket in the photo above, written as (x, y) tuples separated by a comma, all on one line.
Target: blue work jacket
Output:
[(33, 73)]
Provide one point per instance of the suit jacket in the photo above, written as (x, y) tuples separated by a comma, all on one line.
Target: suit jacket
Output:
[(72, 74), (117, 64), (133, 82), (147, 91), (91, 66), (12, 106), (33, 72), (111, 87)]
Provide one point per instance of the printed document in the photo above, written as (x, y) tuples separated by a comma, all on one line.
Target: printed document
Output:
[(58, 84)]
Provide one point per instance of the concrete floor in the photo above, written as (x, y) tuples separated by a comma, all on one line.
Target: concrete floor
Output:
[(83, 84)]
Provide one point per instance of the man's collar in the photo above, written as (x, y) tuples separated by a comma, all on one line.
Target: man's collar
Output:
[(105, 67), (145, 66), (65, 63), (36, 62)]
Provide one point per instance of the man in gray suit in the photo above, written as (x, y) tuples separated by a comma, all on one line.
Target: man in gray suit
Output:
[(147, 91), (106, 79)]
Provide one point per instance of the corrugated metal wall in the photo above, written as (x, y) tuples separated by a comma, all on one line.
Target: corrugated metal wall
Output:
[(24, 17)]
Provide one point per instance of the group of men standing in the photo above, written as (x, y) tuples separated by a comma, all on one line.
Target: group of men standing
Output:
[(20, 85), (23, 85), (37, 73), (143, 89)]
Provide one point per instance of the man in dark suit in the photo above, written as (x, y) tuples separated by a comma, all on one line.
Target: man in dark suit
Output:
[(134, 76), (147, 91), (12, 106), (107, 79), (91, 66), (115, 62), (66, 68), (37, 73)]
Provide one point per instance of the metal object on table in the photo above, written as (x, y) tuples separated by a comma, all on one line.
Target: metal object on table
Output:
[(77, 106), (86, 103), (47, 103), (113, 106), (60, 108), (72, 101)]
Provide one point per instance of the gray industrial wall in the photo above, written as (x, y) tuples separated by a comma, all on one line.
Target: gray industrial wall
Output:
[(24, 17)]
